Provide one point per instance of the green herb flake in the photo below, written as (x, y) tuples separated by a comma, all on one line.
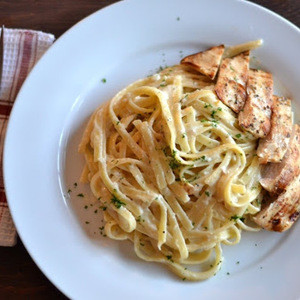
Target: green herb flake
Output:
[(238, 135), (207, 105), (237, 262), (95, 211), (103, 80), (178, 18), (80, 195), (142, 244), (75, 184), (213, 114), (174, 164), (203, 158), (86, 222), (118, 203), (69, 191), (86, 207), (232, 69), (236, 217), (183, 279), (169, 257), (228, 273), (207, 193)]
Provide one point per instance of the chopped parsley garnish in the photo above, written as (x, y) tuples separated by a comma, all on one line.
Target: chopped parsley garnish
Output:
[(213, 114), (174, 164), (236, 217), (178, 18), (75, 184), (169, 257), (183, 135), (207, 105), (86, 222), (183, 279), (80, 195), (228, 273), (103, 80), (238, 135), (69, 191), (207, 193), (232, 69), (86, 207), (118, 203)]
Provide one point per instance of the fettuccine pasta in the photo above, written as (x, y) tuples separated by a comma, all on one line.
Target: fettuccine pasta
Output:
[(174, 170)]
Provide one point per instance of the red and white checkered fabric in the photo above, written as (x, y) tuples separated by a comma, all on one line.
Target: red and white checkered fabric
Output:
[(22, 49)]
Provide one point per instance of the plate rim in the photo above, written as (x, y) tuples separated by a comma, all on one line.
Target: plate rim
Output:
[(19, 101)]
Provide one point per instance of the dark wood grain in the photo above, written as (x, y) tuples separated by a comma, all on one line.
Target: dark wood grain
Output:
[(19, 276)]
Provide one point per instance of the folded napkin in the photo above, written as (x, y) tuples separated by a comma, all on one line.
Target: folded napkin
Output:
[(22, 49)]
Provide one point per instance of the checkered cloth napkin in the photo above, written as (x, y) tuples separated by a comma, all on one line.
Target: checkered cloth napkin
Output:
[(22, 49)]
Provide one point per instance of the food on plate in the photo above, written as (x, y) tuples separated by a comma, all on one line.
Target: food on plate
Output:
[(274, 146), (206, 62), (283, 210), (276, 176), (256, 113), (176, 172), (232, 79)]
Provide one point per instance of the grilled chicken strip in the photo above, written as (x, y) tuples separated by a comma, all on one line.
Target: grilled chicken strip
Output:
[(281, 214), (276, 176), (274, 146), (256, 114), (232, 78), (206, 62)]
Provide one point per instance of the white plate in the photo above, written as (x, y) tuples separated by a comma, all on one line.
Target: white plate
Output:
[(122, 43)]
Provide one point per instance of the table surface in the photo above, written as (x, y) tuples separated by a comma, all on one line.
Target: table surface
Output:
[(19, 276)]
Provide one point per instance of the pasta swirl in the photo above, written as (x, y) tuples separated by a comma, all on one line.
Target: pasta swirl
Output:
[(177, 174)]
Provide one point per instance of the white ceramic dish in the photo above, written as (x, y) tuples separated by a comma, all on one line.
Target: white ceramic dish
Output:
[(122, 43)]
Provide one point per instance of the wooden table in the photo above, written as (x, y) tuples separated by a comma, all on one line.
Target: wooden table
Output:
[(19, 276)]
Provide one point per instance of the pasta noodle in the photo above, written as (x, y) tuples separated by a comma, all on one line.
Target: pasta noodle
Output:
[(174, 170)]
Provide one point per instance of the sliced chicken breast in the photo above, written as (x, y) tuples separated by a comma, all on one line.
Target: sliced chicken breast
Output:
[(231, 83), (206, 62), (256, 114), (276, 176), (274, 146), (281, 214)]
